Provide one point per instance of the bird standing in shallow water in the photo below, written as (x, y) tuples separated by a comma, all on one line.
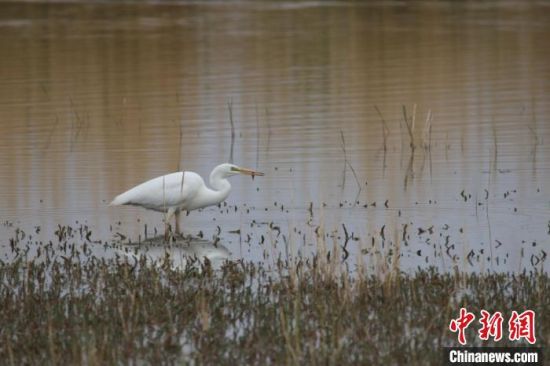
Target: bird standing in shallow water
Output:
[(182, 191)]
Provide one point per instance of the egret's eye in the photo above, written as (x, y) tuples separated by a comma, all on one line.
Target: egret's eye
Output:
[(234, 169)]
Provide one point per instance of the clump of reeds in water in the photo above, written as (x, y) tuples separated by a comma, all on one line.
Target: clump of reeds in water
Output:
[(73, 308)]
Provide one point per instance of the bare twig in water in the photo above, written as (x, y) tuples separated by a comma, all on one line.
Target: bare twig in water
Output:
[(427, 142), (447, 145), (77, 127), (347, 163), (346, 240), (427, 131), (179, 149), (385, 134), (344, 171), (164, 201), (257, 137), (413, 119), (179, 168), (410, 128), (492, 172), (410, 171), (268, 129), (534, 134), (401, 143), (430, 143), (489, 226), (494, 168), (230, 107), (535, 143)]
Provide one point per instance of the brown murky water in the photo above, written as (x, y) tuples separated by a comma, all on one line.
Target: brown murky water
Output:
[(96, 98)]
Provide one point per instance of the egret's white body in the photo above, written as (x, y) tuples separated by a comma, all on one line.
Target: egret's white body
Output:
[(182, 191)]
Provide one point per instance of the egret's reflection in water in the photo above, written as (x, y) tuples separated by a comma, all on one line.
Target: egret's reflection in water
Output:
[(180, 252)]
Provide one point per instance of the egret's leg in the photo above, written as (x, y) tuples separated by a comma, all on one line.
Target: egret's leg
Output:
[(167, 219), (178, 222)]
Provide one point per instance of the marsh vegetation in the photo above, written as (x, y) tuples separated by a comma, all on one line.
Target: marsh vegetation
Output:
[(69, 304)]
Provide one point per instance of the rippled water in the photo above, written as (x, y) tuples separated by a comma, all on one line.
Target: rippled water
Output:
[(96, 98)]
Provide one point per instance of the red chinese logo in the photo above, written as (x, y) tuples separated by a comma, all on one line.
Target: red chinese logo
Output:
[(461, 324), (490, 326), (519, 325), (522, 326)]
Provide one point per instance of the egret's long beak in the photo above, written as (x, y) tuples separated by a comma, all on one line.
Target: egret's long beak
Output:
[(250, 172)]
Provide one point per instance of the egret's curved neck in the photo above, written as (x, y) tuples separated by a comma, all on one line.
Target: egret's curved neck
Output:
[(221, 186)]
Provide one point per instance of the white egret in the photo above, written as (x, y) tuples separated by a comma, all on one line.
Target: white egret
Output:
[(182, 191)]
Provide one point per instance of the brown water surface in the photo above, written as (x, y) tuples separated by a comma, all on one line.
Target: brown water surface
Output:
[(98, 97)]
